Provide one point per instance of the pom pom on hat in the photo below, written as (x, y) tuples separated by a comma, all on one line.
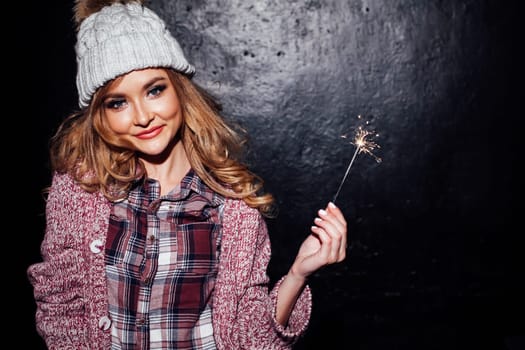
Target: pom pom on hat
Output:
[(85, 8), (118, 38)]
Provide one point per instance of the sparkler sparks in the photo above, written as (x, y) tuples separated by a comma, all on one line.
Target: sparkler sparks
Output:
[(363, 145)]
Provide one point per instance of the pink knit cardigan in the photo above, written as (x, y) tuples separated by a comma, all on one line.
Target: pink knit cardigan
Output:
[(70, 284)]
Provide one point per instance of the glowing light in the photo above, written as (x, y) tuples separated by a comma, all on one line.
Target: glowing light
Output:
[(363, 145)]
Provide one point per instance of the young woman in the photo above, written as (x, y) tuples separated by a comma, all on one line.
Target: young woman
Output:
[(155, 229)]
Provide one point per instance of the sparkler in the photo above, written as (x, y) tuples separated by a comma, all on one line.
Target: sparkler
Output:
[(362, 146)]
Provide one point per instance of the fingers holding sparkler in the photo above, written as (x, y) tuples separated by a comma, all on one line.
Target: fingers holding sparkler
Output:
[(325, 245), (334, 224), (331, 229)]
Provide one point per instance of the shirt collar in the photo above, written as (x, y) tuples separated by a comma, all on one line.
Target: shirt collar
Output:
[(191, 182)]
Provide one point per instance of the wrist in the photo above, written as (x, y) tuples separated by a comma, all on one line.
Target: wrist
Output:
[(295, 277)]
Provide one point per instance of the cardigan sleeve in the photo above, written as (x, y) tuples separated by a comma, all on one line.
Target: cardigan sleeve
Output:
[(244, 308), (61, 281)]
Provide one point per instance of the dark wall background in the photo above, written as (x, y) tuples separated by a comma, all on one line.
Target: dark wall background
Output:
[(434, 256)]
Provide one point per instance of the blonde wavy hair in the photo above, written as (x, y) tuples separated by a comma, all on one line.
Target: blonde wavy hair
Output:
[(84, 147)]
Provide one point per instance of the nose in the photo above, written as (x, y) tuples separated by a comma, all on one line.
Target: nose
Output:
[(143, 116)]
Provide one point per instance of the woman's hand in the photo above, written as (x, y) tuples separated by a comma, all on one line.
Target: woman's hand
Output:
[(324, 246)]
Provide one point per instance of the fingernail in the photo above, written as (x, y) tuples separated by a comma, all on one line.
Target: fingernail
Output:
[(317, 220), (322, 212), (331, 205)]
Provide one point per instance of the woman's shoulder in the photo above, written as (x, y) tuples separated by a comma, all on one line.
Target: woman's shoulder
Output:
[(238, 207), (65, 186), (239, 219)]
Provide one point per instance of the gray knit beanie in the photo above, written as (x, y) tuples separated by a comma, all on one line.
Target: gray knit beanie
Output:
[(121, 38)]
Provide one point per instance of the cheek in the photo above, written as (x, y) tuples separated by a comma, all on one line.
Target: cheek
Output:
[(119, 124), (168, 107)]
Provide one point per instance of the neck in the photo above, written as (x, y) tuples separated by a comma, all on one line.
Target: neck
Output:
[(169, 168)]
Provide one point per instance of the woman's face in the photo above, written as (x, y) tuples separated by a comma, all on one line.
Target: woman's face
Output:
[(142, 109)]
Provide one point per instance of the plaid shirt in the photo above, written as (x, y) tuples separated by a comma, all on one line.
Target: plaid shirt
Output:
[(161, 264)]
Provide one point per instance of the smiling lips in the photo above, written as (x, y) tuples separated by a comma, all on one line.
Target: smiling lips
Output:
[(150, 133)]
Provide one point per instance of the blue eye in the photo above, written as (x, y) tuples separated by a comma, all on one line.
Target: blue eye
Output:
[(156, 90), (115, 103)]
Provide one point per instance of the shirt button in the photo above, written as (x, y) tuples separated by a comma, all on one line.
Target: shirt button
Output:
[(141, 321), (151, 238), (104, 323), (96, 246)]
